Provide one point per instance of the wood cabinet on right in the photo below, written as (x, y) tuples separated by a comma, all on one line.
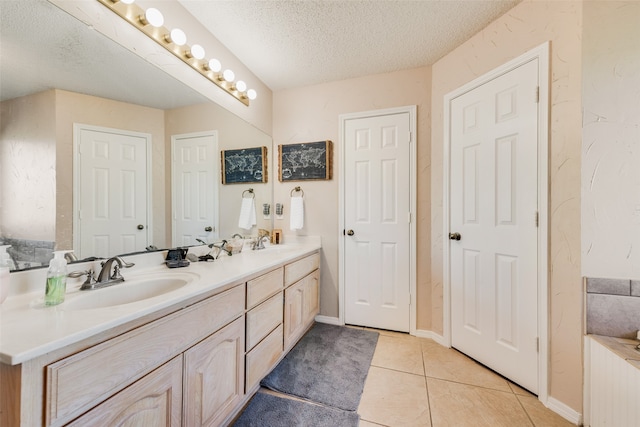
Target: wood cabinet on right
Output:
[(301, 304)]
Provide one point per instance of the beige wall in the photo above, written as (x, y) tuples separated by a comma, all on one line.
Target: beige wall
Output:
[(530, 24), (311, 114), (28, 167), (90, 110), (611, 149)]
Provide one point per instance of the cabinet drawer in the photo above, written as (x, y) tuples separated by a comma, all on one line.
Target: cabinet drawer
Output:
[(298, 269), (85, 379), (263, 287), (263, 357), (263, 319)]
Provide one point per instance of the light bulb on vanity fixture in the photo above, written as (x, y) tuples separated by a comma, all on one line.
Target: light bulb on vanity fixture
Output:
[(228, 76), (177, 37), (151, 23), (153, 17), (213, 65), (196, 52), (241, 86)]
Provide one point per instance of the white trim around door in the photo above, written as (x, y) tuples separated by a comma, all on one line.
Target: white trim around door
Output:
[(412, 111), (541, 53), (77, 130)]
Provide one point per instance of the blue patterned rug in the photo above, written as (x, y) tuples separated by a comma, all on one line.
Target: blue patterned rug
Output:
[(329, 366)]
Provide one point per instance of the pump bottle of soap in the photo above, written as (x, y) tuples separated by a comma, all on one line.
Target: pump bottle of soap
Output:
[(56, 279), (5, 266)]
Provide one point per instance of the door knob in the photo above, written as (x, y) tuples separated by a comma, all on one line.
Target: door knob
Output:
[(140, 227), (350, 233), (208, 229), (455, 236)]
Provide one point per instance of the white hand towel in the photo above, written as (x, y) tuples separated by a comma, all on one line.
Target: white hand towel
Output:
[(297, 213), (247, 213)]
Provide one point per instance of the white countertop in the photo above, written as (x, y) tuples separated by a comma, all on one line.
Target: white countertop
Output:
[(29, 329)]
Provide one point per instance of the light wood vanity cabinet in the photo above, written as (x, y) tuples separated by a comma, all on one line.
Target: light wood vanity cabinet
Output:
[(81, 381), (196, 366)]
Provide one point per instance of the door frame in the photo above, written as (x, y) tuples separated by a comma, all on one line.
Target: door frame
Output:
[(411, 110), (216, 178), (77, 128), (541, 53)]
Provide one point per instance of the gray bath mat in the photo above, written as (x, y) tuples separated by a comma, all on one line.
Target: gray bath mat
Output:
[(329, 365), (274, 411)]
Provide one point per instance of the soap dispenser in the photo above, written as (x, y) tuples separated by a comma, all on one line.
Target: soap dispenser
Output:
[(5, 267), (56, 279)]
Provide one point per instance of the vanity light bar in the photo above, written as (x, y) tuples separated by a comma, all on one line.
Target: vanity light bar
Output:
[(175, 42)]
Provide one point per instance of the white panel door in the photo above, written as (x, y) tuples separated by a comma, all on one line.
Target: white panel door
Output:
[(112, 189), (194, 188), (377, 207), (493, 198)]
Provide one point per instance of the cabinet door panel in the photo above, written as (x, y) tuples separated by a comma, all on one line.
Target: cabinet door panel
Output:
[(214, 376), (293, 313), (311, 297), (155, 400)]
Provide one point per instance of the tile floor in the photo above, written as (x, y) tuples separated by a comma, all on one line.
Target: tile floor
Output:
[(417, 382)]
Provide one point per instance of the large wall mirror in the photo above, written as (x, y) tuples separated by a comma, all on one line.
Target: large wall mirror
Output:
[(58, 74)]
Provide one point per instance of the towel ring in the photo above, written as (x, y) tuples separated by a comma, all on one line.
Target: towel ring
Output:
[(296, 190), (250, 191)]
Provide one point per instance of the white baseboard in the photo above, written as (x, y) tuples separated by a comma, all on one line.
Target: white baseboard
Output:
[(564, 411), (421, 333), (329, 320)]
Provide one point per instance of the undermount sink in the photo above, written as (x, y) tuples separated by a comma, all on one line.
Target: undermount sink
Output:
[(129, 291)]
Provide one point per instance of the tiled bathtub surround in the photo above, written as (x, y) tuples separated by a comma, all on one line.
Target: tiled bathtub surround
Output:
[(613, 307), (29, 253)]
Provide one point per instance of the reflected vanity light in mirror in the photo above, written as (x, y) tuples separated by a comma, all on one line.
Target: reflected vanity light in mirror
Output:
[(151, 21)]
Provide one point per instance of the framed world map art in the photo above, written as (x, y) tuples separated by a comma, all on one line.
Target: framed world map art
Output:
[(244, 165), (305, 161)]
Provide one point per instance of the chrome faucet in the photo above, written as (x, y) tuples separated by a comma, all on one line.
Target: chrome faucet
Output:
[(259, 244), (105, 277)]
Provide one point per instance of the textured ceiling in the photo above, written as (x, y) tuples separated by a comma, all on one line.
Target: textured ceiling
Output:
[(285, 43), (42, 47), (295, 43)]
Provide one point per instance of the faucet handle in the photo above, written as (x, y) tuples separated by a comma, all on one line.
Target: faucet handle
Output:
[(124, 263), (90, 280)]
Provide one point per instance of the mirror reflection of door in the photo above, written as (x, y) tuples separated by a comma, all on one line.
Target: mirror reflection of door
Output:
[(194, 187), (111, 187)]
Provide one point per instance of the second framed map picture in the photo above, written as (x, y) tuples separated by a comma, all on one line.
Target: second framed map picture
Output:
[(305, 161), (245, 165)]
